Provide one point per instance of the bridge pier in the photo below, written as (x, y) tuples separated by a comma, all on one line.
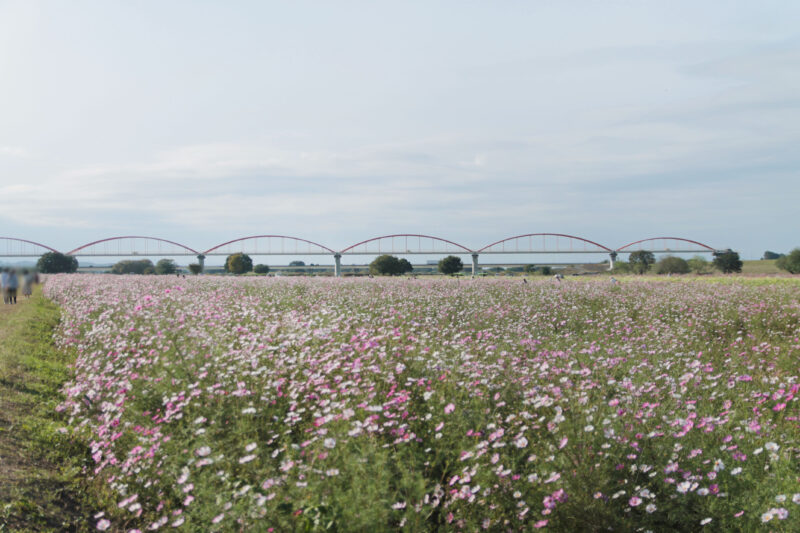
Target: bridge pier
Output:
[(337, 265), (612, 256), (474, 264), (201, 259)]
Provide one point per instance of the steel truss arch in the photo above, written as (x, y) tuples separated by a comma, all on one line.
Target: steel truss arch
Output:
[(543, 249), (453, 247), (10, 241), (106, 252), (327, 251), (665, 249)]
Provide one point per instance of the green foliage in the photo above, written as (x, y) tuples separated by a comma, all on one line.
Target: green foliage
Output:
[(129, 266), (261, 269), (297, 264), (238, 263), (641, 261), (546, 271), (791, 262), (698, 264), (771, 255), (450, 265), (166, 266), (529, 269), (672, 265), (195, 268), (389, 265), (55, 263), (728, 262), (621, 267), (405, 265)]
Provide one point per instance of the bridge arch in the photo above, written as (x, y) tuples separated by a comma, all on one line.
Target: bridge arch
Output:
[(23, 248), (126, 245), (270, 245), (406, 243), (548, 243), (664, 248)]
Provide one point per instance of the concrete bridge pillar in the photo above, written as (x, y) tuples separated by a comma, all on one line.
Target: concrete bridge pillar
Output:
[(612, 256), (474, 264), (201, 259), (337, 265)]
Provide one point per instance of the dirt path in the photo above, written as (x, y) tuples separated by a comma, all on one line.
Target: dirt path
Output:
[(34, 494)]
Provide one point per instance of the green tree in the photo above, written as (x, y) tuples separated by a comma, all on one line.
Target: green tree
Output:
[(405, 266), (56, 262), (672, 265), (529, 269), (771, 255), (790, 262), (166, 266), (728, 262), (261, 269), (297, 264), (389, 265), (238, 263), (546, 271), (698, 264), (641, 261), (195, 268), (129, 266), (450, 265)]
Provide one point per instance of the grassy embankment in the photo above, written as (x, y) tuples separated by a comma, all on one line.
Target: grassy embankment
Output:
[(39, 468), (762, 266)]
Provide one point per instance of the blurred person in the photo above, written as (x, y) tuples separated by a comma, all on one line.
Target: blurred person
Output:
[(12, 284), (28, 278), (4, 284)]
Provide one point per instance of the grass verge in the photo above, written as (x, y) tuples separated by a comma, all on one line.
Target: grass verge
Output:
[(39, 467)]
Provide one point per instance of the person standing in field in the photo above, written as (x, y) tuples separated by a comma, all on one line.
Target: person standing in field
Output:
[(4, 284), (27, 283), (13, 284)]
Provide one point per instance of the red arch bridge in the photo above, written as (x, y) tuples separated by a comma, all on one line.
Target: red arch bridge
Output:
[(397, 244)]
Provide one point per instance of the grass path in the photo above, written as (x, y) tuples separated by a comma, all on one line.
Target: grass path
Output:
[(38, 467)]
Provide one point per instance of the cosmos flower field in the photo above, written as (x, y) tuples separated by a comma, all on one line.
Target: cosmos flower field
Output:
[(269, 404)]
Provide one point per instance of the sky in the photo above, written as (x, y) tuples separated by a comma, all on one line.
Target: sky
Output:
[(202, 122)]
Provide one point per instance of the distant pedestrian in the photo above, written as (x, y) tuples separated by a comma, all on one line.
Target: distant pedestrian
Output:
[(614, 280), (28, 279), (13, 284), (4, 284)]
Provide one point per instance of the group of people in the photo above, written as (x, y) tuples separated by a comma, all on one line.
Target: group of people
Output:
[(9, 282)]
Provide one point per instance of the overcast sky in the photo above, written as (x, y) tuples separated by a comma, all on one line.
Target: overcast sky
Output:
[(203, 121)]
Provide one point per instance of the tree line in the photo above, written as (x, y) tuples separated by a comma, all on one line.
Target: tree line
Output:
[(642, 261), (638, 262), (727, 262), (389, 265)]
